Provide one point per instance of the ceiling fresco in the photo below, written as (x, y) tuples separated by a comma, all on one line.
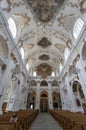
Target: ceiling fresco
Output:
[(44, 30), (44, 70), (45, 9), (44, 43), (44, 57)]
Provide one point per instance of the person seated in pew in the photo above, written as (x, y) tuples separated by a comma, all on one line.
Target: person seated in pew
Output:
[(13, 118)]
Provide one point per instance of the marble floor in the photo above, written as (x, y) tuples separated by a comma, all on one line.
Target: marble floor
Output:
[(45, 121)]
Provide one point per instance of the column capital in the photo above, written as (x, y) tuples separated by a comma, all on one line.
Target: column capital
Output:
[(38, 82), (49, 82)]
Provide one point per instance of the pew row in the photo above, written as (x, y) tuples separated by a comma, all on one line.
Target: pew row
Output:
[(69, 120), (25, 119)]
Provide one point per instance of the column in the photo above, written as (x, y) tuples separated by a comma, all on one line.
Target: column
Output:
[(18, 92), (5, 82), (71, 102), (14, 85), (50, 96), (61, 94), (82, 76)]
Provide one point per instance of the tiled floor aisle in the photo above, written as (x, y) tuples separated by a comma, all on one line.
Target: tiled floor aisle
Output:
[(45, 121)]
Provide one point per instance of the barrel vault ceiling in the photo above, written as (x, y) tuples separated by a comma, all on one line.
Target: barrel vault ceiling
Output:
[(44, 28)]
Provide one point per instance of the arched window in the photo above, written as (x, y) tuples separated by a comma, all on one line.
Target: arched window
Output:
[(33, 83), (61, 67), (53, 74), (27, 66), (44, 83), (22, 52), (55, 83), (77, 28), (12, 27), (34, 73), (75, 86), (66, 53), (84, 53)]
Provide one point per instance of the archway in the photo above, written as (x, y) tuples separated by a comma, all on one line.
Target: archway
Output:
[(31, 100), (33, 83), (78, 94), (78, 89), (44, 83), (56, 100), (84, 53), (44, 101)]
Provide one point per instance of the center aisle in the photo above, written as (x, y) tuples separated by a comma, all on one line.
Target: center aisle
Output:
[(45, 121)]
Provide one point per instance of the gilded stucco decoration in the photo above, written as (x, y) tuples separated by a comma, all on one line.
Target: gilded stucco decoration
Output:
[(25, 37), (9, 4), (82, 7), (28, 46), (79, 4), (66, 21), (44, 29), (73, 5), (45, 9), (65, 38), (73, 70), (60, 47), (61, 19), (22, 20)]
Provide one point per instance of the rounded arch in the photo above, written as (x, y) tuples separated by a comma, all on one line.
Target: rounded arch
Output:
[(22, 52), (55, 83), (78, 89), (33, 83), (84, 52), (12, 27), (31, 99), (78, 93), (56, 100), (74, 87), (44, 94), (44, 101), (66, 53), (77, 28), (43, 83), (4, 49), (61, 66)]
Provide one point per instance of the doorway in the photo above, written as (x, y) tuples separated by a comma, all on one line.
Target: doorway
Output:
[(43, 102), (55, 105), (44, 105)]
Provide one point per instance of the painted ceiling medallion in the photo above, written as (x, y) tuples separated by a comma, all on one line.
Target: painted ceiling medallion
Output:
[(44, 57), (44, 43), (45, 9)]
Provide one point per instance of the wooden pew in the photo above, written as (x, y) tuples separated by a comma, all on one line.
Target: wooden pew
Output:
[(69, 120), (25, 119)]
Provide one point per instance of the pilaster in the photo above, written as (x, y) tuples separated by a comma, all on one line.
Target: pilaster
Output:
[(37, 106), (50, 96)]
